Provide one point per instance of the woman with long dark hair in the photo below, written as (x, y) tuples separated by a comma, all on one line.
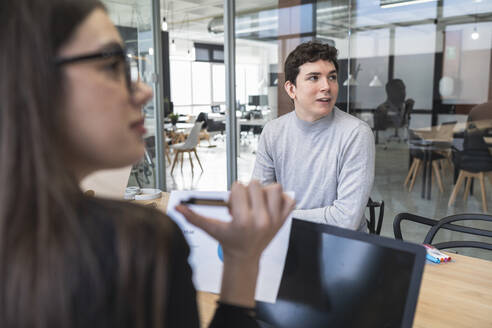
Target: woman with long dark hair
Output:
[(67, 108)]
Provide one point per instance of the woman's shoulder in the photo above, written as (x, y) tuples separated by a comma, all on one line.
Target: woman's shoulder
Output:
[(127, 216)]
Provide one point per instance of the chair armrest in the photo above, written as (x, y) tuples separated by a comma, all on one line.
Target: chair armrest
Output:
[(445, 223), (410, 217)]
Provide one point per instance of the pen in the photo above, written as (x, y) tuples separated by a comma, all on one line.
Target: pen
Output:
[(205, 201), (432, 258)]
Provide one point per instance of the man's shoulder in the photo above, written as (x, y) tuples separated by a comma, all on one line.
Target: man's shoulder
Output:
[(348, 122), (279, 123)]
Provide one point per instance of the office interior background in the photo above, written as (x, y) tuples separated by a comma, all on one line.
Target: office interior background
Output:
[(440, 49)]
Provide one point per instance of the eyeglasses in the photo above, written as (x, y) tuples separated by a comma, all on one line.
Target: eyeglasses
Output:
[(130, 63)]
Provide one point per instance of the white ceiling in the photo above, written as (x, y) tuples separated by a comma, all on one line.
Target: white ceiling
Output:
[(180, 14), (189, 19)]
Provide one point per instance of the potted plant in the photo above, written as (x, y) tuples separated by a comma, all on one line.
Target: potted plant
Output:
[(174, 118)]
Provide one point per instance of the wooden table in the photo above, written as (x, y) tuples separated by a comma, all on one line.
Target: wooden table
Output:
[(456, 294), (160, 204)]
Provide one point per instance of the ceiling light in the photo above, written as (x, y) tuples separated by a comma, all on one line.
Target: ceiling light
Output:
[(350, 81), (398, 3), (375, 82), (475, 35), (164, 24), (173, 46)]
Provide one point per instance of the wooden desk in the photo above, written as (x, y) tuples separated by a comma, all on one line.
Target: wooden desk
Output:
[(456, 294), (160, 203), (253, 122)]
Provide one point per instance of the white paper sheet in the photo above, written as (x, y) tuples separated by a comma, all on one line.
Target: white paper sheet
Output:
[(204, 258)]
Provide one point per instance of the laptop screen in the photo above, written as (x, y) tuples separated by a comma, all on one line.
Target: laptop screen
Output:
[(335, 277)]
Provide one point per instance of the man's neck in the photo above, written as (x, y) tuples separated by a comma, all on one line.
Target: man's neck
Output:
[(309, 118)]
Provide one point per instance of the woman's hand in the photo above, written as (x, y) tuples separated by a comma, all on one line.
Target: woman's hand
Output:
[(257, 215)]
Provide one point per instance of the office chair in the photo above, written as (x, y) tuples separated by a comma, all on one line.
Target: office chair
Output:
[(145, 168), (446, 132), (380, 123), (474, 161), (204, 135), (417, 161), (202, 117), (215, 128), (447, 223), (373, 226), (404, 119), (188, 146)]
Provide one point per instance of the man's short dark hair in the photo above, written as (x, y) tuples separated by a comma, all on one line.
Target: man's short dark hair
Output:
[(311, 51)]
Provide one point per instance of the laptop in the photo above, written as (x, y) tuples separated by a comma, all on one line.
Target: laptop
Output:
[(335, 277)]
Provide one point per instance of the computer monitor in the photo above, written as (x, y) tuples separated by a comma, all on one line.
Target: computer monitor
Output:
[(254, 100), (336, 277), (258, 100), (215, 108)]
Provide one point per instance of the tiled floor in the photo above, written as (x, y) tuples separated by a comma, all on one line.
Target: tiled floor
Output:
[(391, 170)]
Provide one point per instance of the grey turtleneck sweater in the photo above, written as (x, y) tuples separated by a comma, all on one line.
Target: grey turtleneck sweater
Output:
[(329, 164)]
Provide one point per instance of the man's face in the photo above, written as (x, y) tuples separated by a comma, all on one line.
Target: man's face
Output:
[(316, 90)]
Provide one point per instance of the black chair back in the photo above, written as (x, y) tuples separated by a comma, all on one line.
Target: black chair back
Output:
[(380, 120), (202, 117), (409, 103), (373, 226), (446, 223), (214, 126), (473, 139), (475, 156)]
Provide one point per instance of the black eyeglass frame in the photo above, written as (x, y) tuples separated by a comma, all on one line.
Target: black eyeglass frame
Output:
[(61, 61)]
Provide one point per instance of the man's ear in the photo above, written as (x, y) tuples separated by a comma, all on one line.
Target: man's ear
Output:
[(290, 88)]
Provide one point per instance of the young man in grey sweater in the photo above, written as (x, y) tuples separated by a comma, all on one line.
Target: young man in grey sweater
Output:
[(323, 154)]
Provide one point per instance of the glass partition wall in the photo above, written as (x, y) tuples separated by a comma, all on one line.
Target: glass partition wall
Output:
[(134, 22), (412, 70), (435, 56), (197, 93)]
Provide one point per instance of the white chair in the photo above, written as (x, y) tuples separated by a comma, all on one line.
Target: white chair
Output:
[(187, 147)]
